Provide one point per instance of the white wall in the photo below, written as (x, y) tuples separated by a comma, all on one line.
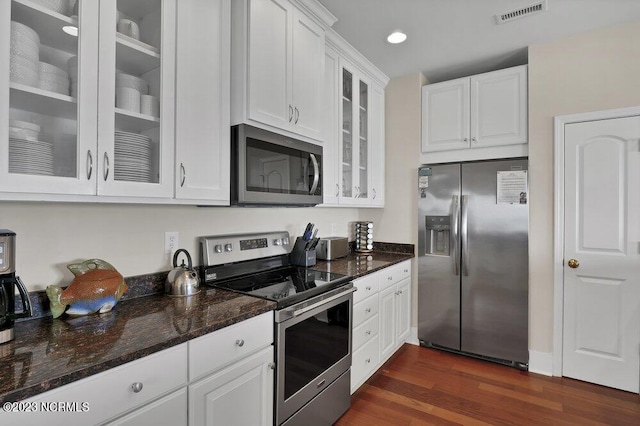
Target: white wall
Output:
[(398, 221), (131, 237), (587, 72)]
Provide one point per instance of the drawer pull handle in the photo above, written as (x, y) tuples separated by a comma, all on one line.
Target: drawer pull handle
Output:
[(368, 332), (272, 365), (367, 310), (240, 342), (368, 288), (389, 278), (322, 382), (406, 270), (368, 360), (136, 387)]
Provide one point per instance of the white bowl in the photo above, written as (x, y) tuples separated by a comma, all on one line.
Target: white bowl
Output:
[(54, 87), (27, 125), (128, 80), (25, 47), (18, 30), (22, 71), (48, 69)]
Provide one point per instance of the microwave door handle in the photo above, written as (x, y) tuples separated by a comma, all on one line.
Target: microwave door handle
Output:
[(316, 174)]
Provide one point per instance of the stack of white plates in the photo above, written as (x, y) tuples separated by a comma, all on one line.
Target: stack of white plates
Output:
[(128, 80), (53, 79), (132, 157), (30, 156), (72, 68), (24, 55)]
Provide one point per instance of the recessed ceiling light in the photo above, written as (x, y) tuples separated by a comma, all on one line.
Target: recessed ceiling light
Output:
[(396, 37)]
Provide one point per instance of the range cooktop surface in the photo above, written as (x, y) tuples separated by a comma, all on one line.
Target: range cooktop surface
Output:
[(287, 285)]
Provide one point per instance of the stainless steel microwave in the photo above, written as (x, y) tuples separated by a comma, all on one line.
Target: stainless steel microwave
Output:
[(271, 169)]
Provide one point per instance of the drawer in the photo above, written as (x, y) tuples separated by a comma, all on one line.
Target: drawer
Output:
[(367, 286), (225, 346), (394, 274), (365, 332), (364, 363), (364, 310), (109, 394)]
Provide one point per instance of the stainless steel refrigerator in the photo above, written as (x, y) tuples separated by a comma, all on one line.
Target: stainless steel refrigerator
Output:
[(473, 259)]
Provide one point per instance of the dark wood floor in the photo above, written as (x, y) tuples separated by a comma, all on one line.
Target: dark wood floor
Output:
[(426, 386)]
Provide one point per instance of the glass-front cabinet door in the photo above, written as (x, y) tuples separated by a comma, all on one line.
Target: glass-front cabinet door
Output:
[(136, 98), (87, 97), (48, 107), (355, 144)]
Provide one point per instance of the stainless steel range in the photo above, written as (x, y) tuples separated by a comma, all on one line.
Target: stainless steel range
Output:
[(312, 321)]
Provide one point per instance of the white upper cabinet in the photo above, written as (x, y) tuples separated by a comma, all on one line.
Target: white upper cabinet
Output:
[(486, 110), (277, 78), (97, 117), (137, 66), (202, 101), (47, 126), (354, 128)]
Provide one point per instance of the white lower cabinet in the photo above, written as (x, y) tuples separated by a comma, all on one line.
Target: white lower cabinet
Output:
[(222, 378), (170, 410), (241, 394), (381, 319), (231, 375)]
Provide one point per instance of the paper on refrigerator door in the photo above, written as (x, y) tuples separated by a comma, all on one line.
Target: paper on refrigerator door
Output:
[(512, 187)]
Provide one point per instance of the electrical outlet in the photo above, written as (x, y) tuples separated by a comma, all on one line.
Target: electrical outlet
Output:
[(171, 241)]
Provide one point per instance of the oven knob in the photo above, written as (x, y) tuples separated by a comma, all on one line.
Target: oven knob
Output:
[(285, 241), (277, 242), (218, 248), (228, 247)]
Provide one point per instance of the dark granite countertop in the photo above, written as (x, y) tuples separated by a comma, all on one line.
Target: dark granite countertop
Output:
[(357, 264), (48, 353)]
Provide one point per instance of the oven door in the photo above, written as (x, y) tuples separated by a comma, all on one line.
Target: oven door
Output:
[(313, 341), (272, 169)]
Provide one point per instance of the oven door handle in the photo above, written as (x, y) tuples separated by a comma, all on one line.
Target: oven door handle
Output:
[(323, 302)]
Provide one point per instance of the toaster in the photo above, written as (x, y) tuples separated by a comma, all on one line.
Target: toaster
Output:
[(330, 248)]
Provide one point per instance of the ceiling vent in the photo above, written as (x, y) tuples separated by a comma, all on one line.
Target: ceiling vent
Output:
[(540, 6)]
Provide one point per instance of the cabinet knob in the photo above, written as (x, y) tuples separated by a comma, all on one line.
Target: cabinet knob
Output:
[(368, 360), (240, 342), (368, 288), (368, 310), (272, 366), (368, 333), (136, 387), (473, 139), (389, 278), (466, 139)]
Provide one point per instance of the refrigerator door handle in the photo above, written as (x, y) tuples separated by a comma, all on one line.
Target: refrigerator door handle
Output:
[(456, 235), (465, 235)]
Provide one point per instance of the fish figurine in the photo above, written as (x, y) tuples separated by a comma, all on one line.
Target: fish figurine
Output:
[(97, 287)]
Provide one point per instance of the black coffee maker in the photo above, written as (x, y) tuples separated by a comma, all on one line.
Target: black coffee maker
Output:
[(8, 283)]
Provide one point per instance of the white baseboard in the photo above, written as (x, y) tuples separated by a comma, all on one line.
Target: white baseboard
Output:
[(541, 363), (413, 337)]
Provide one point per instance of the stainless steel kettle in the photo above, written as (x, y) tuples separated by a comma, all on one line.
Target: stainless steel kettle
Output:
[(182, 280)]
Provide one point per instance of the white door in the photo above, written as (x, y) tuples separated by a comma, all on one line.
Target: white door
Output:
[(601, 335)]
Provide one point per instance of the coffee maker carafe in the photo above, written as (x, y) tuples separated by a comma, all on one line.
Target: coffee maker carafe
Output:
[(8, 283)]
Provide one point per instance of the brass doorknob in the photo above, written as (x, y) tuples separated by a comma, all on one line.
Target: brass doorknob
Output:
[(573, 263)]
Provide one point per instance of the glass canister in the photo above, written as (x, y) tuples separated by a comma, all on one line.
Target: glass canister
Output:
[(364, 237)]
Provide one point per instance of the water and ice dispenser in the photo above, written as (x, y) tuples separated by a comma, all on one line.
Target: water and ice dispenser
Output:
[(438, 235)]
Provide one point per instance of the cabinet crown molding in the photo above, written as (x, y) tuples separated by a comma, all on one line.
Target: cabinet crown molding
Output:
[(343, 48), (317, 11)]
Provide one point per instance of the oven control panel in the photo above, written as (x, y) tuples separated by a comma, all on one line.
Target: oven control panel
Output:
[(221, 249)]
